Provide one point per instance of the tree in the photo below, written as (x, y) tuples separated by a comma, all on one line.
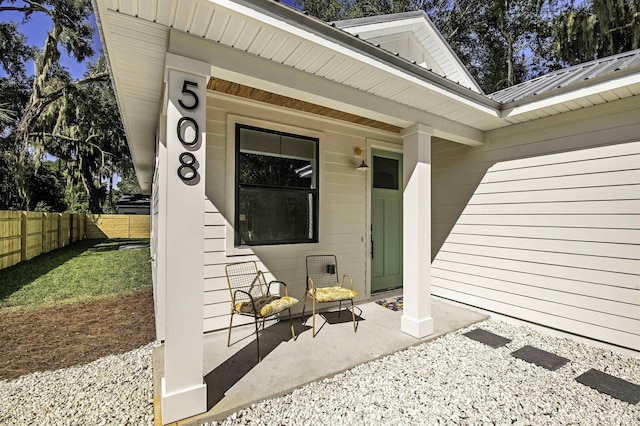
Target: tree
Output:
[(74, 121), (47, 187), (326, 10), (72, 31), (597, 29), (492, 37), (14, 94), (82, 130), (517, 24), (128, 183)]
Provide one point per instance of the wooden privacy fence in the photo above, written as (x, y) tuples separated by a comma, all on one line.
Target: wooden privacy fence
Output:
[(25, 235), (118, 226)]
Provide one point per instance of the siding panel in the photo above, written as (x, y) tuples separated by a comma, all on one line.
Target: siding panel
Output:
[(598, 291), (551, 230), (560, 271)]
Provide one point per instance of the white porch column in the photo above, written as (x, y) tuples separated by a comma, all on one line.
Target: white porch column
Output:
[(183, 390), (416, 318), (160, 213)]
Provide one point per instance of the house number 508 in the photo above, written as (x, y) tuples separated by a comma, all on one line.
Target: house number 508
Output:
[(187, 170)]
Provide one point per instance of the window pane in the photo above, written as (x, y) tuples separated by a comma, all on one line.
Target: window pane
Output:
[(254, 140), (275, 215), (385, 173), (277, 181), (267, 170), (274, 159)]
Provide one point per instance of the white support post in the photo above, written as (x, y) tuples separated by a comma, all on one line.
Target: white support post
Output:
[(416, 318), (160, 256), (183, 390)]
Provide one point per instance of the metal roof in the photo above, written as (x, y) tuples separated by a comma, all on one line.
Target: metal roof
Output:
[(568, 77)]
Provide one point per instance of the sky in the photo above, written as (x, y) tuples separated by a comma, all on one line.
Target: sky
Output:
[(36, 30), (289, 2)]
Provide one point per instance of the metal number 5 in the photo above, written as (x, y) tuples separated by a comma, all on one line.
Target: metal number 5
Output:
[(185, 89)]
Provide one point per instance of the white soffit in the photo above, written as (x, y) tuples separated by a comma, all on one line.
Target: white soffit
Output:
[(136, 55), (242, 25)]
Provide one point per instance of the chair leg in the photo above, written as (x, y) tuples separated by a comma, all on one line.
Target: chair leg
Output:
[(353, 317), (340, 309), (293, 333), (229, 336), (304, 305), (313, 320), (257, 338)]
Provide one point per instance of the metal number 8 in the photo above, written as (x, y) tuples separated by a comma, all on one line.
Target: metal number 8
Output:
[(187, 170)]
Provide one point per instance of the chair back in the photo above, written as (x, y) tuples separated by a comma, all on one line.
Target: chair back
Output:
[(323, 270), (245, 276)]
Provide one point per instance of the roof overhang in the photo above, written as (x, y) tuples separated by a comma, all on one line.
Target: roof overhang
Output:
[(271, 47), (606, 88)]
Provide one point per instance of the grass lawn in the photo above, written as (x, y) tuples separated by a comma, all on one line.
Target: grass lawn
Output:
[(86, 270)]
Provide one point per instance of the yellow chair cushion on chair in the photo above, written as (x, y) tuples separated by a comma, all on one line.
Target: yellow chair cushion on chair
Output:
[(266, 305), (278, 305), (332, 294)]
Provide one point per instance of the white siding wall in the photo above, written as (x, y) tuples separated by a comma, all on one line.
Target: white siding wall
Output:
[(542, 223), (342, 206)]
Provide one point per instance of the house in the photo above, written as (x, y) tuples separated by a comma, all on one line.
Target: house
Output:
[(248, 121), (134, 204)]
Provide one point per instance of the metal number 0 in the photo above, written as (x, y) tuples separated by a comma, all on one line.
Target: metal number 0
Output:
[(196, 130)]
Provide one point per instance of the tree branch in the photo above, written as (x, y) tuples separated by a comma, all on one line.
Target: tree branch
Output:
[(70, 139)]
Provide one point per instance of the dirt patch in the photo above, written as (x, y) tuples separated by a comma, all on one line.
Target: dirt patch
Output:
[(59, 337)]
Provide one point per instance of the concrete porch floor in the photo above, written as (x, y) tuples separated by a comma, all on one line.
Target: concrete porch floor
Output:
[(236, 380)]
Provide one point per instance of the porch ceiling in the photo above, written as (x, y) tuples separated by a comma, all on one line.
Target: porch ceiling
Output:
[(246, 92)]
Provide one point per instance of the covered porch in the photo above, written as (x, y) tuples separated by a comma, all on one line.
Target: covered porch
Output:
[(204, 84), (236, 380)]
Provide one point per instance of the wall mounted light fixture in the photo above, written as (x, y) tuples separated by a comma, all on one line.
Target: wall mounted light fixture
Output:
[(363, 167)]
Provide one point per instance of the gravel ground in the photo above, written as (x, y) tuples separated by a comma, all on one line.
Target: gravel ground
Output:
[(114, 390), (455, 380), (452, 380)]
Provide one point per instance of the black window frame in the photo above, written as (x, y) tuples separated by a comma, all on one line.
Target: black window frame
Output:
[(238, 243)]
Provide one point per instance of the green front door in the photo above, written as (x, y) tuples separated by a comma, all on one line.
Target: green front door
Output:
[(386, 220)]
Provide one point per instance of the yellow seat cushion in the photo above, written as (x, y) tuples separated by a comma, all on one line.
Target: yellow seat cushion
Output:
[(278, 305), (332, 294), (266, 305)]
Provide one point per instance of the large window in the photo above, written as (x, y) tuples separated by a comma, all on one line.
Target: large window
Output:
[(276, 187)]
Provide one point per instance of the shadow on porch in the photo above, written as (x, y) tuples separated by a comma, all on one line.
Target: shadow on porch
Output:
[(236, 380)]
